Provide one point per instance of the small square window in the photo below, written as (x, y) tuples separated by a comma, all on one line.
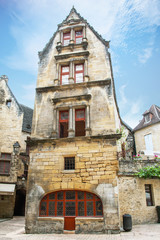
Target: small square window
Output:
[(69, 163)]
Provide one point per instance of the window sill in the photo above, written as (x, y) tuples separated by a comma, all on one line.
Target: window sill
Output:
[(50, 218), (90, 218), (68, 171), (4, 174)]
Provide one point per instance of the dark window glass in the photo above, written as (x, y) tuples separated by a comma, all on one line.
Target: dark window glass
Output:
[(59, 208), (51, 209), (80, 208), (69, 163), (80, 195), (70, 209), (148, 191), (43, 210), (60, 195), (89, 208), (98, 208), (52, 196), (70, 195), (89, 195)]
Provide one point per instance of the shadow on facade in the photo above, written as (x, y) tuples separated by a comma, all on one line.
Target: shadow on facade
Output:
[(19, 209)]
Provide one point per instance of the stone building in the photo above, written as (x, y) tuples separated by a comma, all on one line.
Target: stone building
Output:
[(72, 182), (76, 182), (15, 127), (147, 133)]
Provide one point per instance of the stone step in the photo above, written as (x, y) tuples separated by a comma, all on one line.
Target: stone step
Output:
[(69, 231)]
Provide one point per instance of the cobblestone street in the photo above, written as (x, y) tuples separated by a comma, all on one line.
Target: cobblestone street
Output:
[(14, 229)]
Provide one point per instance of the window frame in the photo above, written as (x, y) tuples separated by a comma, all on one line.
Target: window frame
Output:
[(80, 119), (79, 71), (79, 36), (149, 201), (62, 121), (64, 73), (68, 163), (3, 160), (94, 199), (66, 38)]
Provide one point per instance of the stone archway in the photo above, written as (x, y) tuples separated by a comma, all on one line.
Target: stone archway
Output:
[(20, 200)]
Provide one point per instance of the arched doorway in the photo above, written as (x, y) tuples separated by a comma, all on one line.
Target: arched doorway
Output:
[(70, 204), (19, 209)]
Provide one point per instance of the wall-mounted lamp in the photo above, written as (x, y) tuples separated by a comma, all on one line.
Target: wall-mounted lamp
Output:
[(16, 147)]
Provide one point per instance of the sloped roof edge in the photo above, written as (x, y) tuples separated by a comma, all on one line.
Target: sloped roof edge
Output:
[(155, 110)]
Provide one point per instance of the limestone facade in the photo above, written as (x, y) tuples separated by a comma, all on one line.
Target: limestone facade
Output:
[(14, 130), (92, 145), (132, 194)]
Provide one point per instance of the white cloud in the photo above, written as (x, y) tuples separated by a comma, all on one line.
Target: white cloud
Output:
[(147, 53), (34, 22)]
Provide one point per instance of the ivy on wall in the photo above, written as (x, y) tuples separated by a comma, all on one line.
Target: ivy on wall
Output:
[(149, 172)]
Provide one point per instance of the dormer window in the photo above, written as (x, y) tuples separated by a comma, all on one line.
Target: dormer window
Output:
[(78, 36), (147, 118), (66, 38)]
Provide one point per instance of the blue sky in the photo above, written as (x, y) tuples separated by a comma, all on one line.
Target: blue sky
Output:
[(132, 26)]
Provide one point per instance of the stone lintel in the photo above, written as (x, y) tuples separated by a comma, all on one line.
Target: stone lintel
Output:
[(75, 85), (35, 141), (78, 97), (71, 54)]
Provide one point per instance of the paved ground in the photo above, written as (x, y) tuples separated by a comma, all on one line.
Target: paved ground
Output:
[(14, 229)]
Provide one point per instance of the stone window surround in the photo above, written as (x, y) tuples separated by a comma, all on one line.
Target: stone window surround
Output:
[(71, 63), (72, 30), (71, 129)]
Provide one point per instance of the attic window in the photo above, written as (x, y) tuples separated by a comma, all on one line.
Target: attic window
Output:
[(8, 103), (66, 38), (147, 118), (78, 36)]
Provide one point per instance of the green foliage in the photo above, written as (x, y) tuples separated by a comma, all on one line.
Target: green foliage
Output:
[(149, 172)]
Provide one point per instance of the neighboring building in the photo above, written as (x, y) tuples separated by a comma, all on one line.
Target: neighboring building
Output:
[(15, 127), (147, 133), (72, 182)]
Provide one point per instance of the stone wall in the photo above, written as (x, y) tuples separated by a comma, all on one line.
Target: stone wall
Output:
[(95, 171), (132, 199), (7, 205)]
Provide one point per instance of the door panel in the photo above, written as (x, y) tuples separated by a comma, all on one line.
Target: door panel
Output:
[(69, 223)]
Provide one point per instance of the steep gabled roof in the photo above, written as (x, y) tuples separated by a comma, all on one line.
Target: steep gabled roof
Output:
[(73, 16), (155, 118), (27, 118)]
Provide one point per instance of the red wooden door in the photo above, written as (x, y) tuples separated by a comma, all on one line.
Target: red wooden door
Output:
[(69, 223)]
